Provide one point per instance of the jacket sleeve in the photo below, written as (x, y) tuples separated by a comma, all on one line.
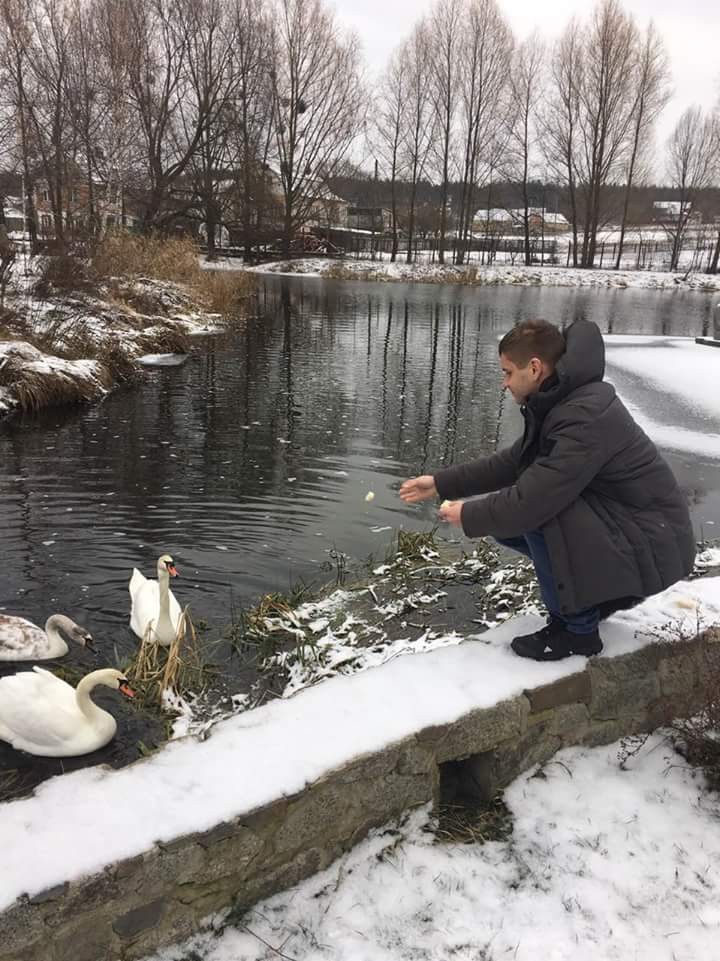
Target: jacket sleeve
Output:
[(551, 483), (480, 476)]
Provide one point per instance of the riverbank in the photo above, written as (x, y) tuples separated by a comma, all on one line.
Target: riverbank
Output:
[(72, 329), (479, 276)]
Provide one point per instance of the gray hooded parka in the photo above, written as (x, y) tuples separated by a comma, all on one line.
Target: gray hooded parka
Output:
[(615, 522)]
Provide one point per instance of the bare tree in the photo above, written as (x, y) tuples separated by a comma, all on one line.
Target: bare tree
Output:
[(606, 115), (715, 257), (41, 42), (419, 117), (560, 119), (692, 163), (446, 41), (387, 133), (483, 106), (14, 43), (526, 86), (318, 105), (253, 125), (175, 83), (213, 85), (651, 93)]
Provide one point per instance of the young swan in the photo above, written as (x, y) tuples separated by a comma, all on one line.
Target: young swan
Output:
[(21, 640), (153, 605), (43, 715)]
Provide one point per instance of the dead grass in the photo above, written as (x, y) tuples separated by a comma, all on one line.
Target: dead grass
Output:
[(174, 259), (474, 824), (156, 670), (38, 388)]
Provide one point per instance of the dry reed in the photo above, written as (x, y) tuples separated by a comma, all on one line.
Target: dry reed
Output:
[(179, 667)]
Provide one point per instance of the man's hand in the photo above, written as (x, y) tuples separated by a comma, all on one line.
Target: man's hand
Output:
[(450, 512), (418, 489)]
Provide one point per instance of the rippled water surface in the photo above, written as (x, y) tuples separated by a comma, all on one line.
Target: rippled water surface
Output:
[(253, 460)]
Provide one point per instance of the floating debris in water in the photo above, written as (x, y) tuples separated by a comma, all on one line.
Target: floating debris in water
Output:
[(369, 496)]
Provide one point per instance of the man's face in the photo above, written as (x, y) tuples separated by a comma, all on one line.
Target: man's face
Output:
[(522, 381)]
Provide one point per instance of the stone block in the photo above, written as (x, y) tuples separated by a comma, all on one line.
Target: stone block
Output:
[(262, 885), (566, 690), (536, 746), (55, 893), (624, 685), (569, 723), (131, 924), (89, 939), (415, 758), (164, 867), (479, 730)]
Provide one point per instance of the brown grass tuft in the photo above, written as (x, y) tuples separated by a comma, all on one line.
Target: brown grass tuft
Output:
[(36, 389), (174, 259)]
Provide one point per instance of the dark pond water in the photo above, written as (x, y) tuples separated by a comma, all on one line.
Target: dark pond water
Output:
[(253, 460)]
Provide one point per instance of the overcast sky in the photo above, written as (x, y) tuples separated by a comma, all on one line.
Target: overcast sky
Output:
[(690, 29)]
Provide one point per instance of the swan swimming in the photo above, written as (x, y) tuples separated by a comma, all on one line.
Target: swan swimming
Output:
[(43, 715), (153, 603), (21, 640)]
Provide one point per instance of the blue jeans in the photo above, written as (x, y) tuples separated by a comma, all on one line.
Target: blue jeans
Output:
[(533, 545)]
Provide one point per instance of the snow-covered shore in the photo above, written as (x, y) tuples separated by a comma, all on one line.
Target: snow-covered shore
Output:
[(604, 863), (287, 744), (67, 347), (434, 273)]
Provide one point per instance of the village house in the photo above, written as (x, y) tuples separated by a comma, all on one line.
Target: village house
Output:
[(499, 220)]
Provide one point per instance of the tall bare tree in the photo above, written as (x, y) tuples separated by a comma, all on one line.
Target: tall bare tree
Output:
[(560, 119), (253, 116), (446, 25), (387, 134), (651, 85), (419, 119), (318, 104), (483, 105), (14, 43), (692, 164), (606, 114), (526, 90)]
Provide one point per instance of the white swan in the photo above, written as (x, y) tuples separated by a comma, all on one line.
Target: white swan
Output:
[(153, 603), (21, 640), (43, 715)]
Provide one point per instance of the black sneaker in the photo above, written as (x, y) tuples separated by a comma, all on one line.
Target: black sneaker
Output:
[(549, 644), (553, 626)]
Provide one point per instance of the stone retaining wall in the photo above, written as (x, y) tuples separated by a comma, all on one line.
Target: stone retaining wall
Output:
[(162, 896)]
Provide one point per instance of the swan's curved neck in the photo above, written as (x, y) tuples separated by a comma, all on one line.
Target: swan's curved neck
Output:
[(84, 701), (57, 646), (164, 585)]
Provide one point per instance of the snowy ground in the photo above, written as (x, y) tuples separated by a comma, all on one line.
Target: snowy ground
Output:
[(426, 272), (603, 864), (188, 786)]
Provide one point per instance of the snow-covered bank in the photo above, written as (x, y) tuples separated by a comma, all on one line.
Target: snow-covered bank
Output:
[(274, 751), (66, 348), (603, 864), (434, 273)]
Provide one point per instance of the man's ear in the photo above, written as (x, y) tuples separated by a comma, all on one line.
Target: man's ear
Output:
[(536, 366)]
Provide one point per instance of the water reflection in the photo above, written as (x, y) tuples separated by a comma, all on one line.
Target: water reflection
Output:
[(253, 459)]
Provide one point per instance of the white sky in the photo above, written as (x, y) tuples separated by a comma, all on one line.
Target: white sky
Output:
[(690, 29)]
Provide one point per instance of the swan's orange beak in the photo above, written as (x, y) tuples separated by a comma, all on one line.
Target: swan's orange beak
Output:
[(125, 689), (172, 571)]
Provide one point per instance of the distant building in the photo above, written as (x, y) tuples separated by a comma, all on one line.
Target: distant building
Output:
[(502, 220), (669, 211), (377, 219)]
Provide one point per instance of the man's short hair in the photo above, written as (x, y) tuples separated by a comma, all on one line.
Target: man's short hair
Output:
[(533, 338)]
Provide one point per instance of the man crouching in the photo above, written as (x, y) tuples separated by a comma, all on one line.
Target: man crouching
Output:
[(584, 492)]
